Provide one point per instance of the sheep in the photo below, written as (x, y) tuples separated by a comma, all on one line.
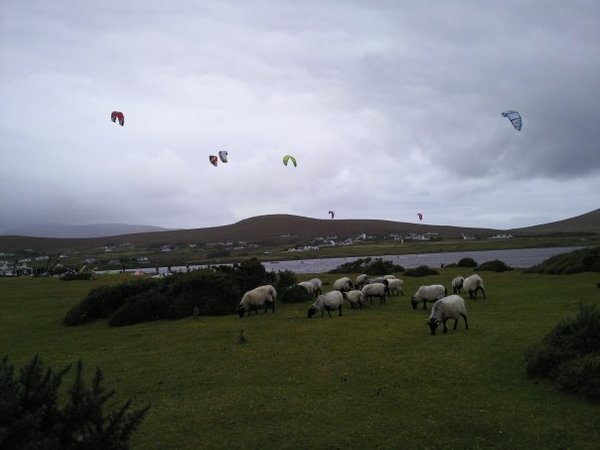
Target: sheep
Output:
[(355, 298), (457, 284), (254, 299), (375, 290), (451, 307), (327, 302), (472, 284), (318, 284), (309, 286), (430, 293), (360, 280), (389, 277), (343, 284), (271, 290), (395, 286)]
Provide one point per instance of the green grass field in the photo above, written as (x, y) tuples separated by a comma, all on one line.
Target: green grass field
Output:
[(373, 378)]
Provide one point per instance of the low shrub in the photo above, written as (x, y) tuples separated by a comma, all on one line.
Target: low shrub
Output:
[(74, 276), (294, 294), (369, 266), (31, 417), (421, 271), (570, 355), (102, 301), (494, 266), (284, 279), (142, 307), (467, 262), (582, 260)]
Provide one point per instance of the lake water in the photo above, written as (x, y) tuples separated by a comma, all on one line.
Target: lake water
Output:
[(524, 257)]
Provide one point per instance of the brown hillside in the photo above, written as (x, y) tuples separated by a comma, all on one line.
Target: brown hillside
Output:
[(273, 229), (585, 223)]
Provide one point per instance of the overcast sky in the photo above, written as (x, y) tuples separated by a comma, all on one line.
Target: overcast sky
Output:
[(390, 108)]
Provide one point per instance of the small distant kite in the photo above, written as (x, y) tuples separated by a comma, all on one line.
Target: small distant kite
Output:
[(420, 216), (332, 214), (214, 159), (117, 115), (515, 119), (287, 158)]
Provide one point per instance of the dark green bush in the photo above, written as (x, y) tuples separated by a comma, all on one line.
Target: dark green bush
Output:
[(142, 307), (294, 294), (421, 271), (102, 301), (73, 276), (494, 266), (247, 274), (369, 266), (284, 279), (467, 262), (581, 375), (582, 260), (569, 354), (31, 417)]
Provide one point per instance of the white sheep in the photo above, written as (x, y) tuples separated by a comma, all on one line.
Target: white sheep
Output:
[(271, 290), (451, 307), (343, 284), (375, 290), (327, 302), (360, 280), (254, 299), (430, 293), (472, 284), (355, 298), (389, 277), (309, 286), (395, 286), (318, 284), (457, 284)]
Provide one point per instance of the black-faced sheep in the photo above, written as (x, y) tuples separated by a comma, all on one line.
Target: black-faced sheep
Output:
[(360, 280), (472, 285), (430, 293), (343, 284), (375, 290), (451, 307), (327, 302), (355, 298), (457, 284), (254, 299)]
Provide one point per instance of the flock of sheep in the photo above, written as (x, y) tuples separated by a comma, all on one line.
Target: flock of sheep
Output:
[(364, 289)]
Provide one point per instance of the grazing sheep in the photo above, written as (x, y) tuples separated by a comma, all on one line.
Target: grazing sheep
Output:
[(355, 298), (375, 290), (430, 293), (270, 290), (255, 299), (309, 286), (451, 307), (473, 284), (395, 286), (360, 280), (457, 284), (343, 284), (327, 302), (318, 284)]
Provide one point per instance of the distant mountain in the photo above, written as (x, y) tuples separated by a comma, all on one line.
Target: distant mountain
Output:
[(80, 231), (585, 223), (283, 229)]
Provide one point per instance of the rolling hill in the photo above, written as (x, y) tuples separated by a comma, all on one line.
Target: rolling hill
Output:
[(289, 230)]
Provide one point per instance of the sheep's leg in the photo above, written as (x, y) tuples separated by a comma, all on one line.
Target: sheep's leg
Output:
[(340, 308), (424, 304), (329, 313), (455, 324), (464, 316), (482, 291), (444, 322)]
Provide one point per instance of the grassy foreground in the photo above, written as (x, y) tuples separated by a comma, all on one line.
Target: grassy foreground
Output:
[(371, 379)]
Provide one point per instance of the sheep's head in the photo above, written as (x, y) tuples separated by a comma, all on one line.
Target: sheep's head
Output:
[(311, 311), (241, 310), (433, 324), (414, 302)]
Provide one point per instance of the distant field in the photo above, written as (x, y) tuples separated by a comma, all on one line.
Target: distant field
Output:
[(371, 379)]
